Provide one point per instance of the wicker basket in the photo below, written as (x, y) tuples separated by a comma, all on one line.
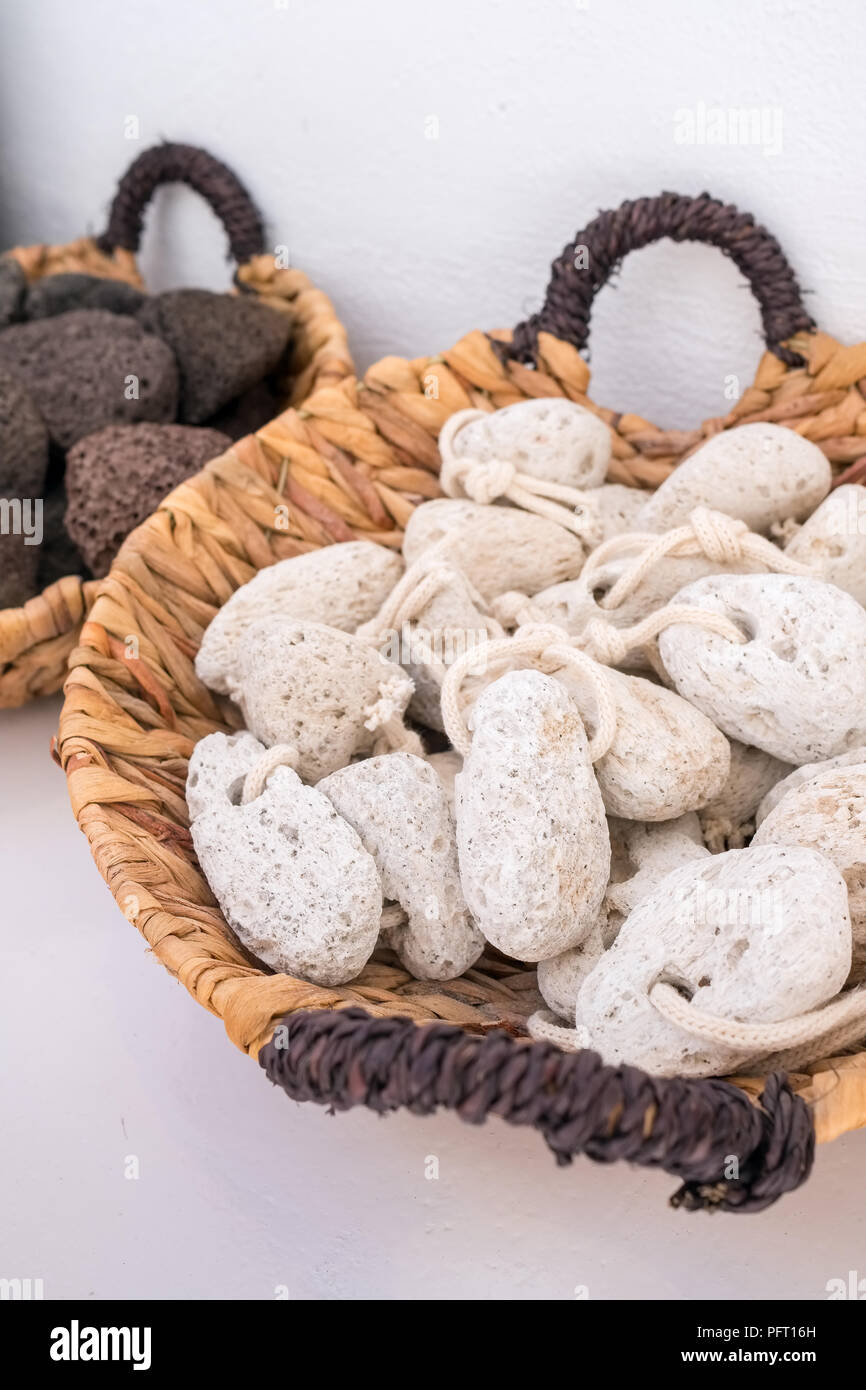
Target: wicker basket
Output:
[(36, 639), (353, 462)]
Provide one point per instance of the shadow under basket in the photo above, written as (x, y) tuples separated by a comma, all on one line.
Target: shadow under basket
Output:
[(36, 639), (353, 463)]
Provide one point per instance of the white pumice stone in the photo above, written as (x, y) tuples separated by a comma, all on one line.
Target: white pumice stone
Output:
[(292, 878), (402, 814), (339, 585), (618, 507), (548, 437), (834, 540), (531, 834), (805, 773), (314, 687), (756, 935), (217, 768), (560, 977), (498, 548), (795, 688), (730, 815), (666, 757), (447, 765), (641, 856), (760, 473), (646, 855), (828, 813)]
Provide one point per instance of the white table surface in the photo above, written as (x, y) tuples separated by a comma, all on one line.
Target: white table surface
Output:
[(242, 1192)]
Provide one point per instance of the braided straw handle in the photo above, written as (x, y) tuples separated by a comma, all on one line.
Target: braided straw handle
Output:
[(214, 181), (588, 262)]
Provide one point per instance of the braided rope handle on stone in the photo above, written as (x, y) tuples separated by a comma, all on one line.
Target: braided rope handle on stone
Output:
[(690, 1128), (486, 481), (790, 1043), (209, 177), (543, 645), (722, 539), (589, 262)]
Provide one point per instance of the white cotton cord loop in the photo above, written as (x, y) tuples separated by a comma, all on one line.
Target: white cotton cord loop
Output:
[(514, 609), (485, 481), (281, 755), (611, 645), (547, 648), (420, 583), (722, 539), (544, 1026), (799, 1040), (385, 719)]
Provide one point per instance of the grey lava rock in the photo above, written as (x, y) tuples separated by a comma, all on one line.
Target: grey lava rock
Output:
[(13, 287), (88, 369), (23, 466), (60, 294), (58, 554), (247, 413), (224, 344), (118, 476)]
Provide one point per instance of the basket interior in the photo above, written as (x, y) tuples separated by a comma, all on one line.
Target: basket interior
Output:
[(351, 463)]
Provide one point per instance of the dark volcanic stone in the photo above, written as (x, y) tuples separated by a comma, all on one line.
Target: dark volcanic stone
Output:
[(23, 465), (117, 477), (58, 555), (59, 294), (13, 287), (223, 343), (81, 367), (23, 441), (248, 413)]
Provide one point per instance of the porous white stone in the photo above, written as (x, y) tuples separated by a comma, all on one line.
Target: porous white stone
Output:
[(292, 878), (666, 757), (641, 856), (498, 548), (339, 585), (805, 773), (560, 977), (755, 935), (531, 834), (795, 688), (828, 813), (617, 506), (313, 687), (402, 814), (834, 539), (729, 816), (547, 437), (760, 473), (645, 855)]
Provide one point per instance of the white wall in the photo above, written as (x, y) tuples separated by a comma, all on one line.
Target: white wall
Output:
[(546, 112)]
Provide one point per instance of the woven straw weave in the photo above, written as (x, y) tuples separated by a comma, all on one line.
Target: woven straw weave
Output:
[(36, 639)]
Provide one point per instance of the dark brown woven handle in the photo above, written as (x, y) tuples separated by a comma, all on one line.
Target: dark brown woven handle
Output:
[(593, 257), (731, 1154), (169, 163)]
